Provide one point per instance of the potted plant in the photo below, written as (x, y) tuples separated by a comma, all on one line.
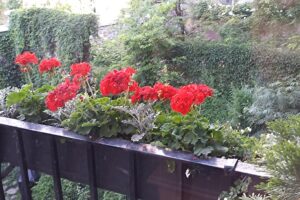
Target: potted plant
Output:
[(167, 148)]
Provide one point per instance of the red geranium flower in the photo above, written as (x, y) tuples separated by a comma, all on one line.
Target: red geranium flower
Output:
[(148, 93), (62, 93), (48, 65), (208, 92), (164, 92), (133, 85), (182, 101), (129, 70), (145, 93), (200, 92), (118, 81), (78, 79), (82, 69), (26, 58), (136, 97), (189, 95)]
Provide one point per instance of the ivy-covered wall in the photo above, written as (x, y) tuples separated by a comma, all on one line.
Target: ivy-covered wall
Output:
[(9, 74), (46, 32), (53, 32)]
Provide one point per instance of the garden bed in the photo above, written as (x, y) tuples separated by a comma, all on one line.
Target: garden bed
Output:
[(137, 170)]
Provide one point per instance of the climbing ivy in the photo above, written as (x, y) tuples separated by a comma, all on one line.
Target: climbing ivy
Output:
[(49, 32), (9, 75), (53, 32)]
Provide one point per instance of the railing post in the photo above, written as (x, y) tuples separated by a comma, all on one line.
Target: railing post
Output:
[(55, 169), (181, 179), (92, 171), (25, 187), (2, 196), (132, 177)]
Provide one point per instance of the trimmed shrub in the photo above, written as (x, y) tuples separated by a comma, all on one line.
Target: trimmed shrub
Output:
[(275, 64), (223, 65), (217, 64)]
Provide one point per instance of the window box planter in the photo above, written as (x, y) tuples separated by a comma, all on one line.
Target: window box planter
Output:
[(140, 171)]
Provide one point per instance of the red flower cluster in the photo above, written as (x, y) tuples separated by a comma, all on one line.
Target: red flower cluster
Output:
[(62, 93), (26, 58), (48, 65), (189, 95), (200, 92), (181, 100), (118, 81), (145, 93), (158, 91), (164, 92), (80, 69)]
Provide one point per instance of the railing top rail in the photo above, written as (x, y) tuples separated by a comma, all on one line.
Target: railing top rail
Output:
[(220, 163)]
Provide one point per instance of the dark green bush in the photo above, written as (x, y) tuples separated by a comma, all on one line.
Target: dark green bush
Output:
[(71, 191), (276, 100), (9, 73), (216, 108), (282, 156), (240, 100)]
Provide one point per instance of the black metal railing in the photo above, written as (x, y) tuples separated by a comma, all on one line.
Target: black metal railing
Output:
[(138, 171)]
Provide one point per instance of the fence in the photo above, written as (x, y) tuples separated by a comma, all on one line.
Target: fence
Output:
[(139, 171)]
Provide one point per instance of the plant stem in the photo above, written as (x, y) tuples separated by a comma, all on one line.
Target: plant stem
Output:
[(90, 88), (29, 78)]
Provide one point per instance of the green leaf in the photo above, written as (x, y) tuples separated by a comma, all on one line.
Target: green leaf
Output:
[(44, 89), (190, 138), (221, 149), (18, 97), (199, 150), (85, 130), (157, 143), (217, 136), (15, 97)]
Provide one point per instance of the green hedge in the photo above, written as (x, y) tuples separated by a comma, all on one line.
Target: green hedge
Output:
[(9, 74), (275, 64), (217, 64), (223, 65)]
